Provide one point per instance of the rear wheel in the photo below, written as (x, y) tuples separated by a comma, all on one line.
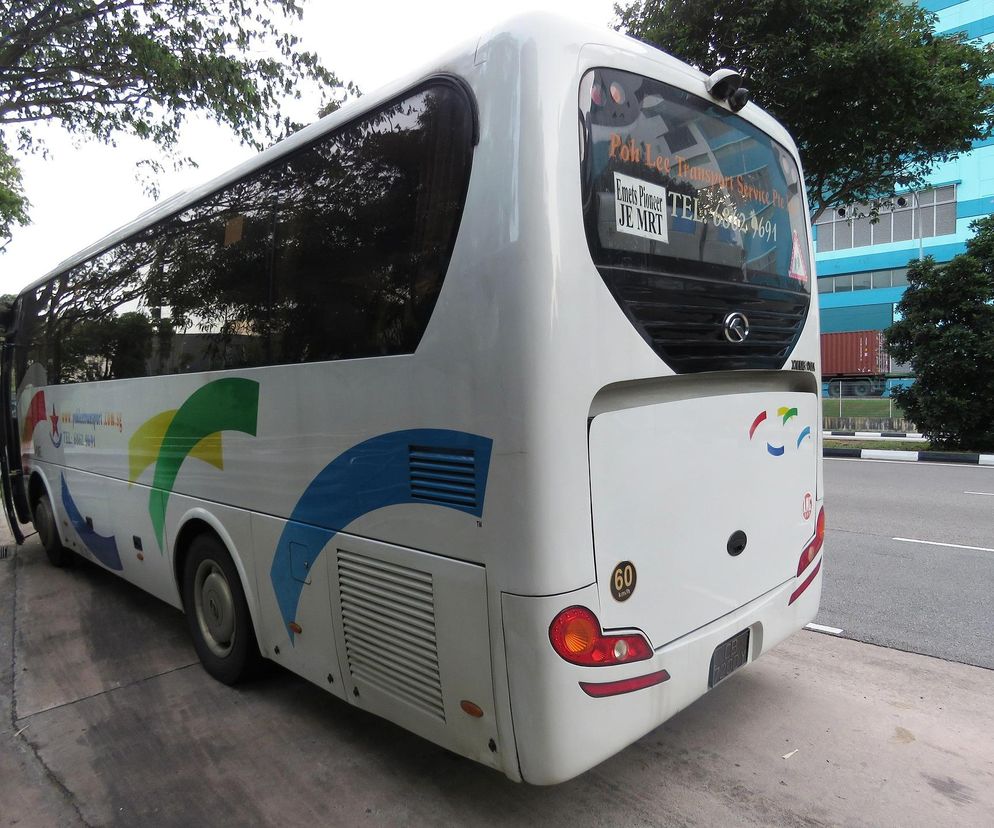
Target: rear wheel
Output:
[(217, 612), (43, 517)]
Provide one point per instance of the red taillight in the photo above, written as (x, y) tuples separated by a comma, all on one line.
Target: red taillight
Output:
[(813, 548), (577, 637), (808, 555)]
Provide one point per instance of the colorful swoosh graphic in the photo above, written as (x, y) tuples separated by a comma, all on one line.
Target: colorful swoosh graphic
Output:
[(192, 430), (36, 413), (103, 548), (785, 413), (369, 476)]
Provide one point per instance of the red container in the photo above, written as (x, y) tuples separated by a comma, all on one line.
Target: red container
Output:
[(853, 353)]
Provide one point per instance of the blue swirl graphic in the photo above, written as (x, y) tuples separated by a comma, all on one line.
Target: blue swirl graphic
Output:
[(366, 477), (104, 549)]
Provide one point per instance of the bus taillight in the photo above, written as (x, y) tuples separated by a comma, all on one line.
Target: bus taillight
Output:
[(577, 637), (813, 548), (808, 555)]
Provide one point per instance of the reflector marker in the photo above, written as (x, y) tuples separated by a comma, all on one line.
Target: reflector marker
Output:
[(807, 582), (600, 690)]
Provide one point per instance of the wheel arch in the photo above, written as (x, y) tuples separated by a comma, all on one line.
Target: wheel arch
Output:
[(199, 521), (38, 486)]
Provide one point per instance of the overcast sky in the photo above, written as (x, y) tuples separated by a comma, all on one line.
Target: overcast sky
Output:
[(81, 193)]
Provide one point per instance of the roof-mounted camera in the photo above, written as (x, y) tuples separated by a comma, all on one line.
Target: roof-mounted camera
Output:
[(726, 85)]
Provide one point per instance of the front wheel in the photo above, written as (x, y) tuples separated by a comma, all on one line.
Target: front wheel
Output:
[(43, 517), (217, 612)]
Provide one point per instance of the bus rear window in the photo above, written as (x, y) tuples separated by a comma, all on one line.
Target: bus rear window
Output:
[(673, 182), (695, 220)]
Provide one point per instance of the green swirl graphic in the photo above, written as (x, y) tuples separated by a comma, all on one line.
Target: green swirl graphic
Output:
[(223, 405)]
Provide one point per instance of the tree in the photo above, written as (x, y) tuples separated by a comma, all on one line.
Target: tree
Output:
[(103, 68), (871, 96), (946, 332)]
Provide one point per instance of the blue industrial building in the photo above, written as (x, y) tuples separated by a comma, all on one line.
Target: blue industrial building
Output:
[(862, 268)]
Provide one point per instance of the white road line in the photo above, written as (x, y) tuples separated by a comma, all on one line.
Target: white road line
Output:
[(953, 545), (821, 629), (988, 494)]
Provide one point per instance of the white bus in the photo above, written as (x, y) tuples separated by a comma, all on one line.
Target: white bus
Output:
[(489, 403)]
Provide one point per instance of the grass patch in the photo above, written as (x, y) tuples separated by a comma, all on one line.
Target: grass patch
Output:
[(877, 407), (892, 445)]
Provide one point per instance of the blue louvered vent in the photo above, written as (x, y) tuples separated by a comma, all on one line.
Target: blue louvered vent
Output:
[(444, 476)]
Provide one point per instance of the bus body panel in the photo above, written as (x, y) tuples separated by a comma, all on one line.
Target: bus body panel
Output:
[(699, 506)]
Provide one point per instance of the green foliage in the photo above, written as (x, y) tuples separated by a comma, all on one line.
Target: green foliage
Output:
[(947, 334), (873, 99), (102, 68)]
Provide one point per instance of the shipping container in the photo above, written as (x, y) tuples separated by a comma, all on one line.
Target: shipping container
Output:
[(854, 364), (854, 353)]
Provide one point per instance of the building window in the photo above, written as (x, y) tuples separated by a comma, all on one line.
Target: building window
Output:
[(863, 281), (932, 214)]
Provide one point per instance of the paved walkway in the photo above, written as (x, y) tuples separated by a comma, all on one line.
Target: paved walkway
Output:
[(107, 719)]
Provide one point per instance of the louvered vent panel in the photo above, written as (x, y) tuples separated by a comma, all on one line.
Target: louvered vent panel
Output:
[(388, 615), (683, 319), (443, 476)]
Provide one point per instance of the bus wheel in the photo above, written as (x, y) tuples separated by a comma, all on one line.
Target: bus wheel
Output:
[(217, 613), (43, 518)]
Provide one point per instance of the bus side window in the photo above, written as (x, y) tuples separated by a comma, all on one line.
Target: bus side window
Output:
[(366, 228)]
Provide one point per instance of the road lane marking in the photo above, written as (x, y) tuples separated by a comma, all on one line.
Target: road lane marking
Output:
[(953, 545), (822, 629), (988, 494)]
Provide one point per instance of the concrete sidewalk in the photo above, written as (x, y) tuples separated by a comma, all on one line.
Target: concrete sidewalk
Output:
[(107, 719)]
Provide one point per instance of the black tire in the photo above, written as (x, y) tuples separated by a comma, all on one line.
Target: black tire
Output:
[(861, 388), (217, 613), (43, 518)]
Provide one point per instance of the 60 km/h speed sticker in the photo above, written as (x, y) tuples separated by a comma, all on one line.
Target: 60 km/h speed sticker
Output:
[(623, 581)]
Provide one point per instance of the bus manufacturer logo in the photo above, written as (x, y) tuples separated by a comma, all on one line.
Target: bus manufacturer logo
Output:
[(807, 506), (736, 328)]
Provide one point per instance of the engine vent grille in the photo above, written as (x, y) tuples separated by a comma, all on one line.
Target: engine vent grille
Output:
[(683, 319), (388, 617), (444, 476)]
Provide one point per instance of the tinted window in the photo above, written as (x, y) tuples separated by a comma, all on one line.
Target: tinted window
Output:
[(675, 183), (336, 251), (365, 230), (694, 219)]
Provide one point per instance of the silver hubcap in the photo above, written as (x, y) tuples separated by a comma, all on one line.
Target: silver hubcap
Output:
[(215, 608)]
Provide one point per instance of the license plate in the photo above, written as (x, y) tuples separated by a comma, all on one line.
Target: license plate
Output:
[(729, 656)]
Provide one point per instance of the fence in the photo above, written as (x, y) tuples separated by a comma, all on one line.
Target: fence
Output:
[(863, 414)]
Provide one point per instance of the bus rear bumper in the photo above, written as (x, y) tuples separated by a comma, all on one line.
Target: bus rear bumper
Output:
[(561, 731)]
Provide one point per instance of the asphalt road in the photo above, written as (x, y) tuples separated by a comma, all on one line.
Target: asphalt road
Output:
[(921, 597)]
